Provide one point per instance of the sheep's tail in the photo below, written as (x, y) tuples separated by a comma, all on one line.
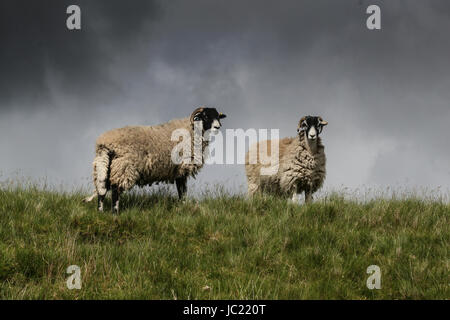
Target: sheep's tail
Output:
[(90, 198), (101, 170)]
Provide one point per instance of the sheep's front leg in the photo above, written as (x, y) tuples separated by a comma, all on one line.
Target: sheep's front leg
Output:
[(100, 200), (295, 197), (181, 187), (252, 189), (115, 199), (308, 196)]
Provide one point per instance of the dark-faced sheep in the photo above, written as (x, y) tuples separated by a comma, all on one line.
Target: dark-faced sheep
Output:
[(301, 165), (143, 155)]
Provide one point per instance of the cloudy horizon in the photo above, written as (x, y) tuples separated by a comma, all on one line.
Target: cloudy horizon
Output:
[(263, 63)]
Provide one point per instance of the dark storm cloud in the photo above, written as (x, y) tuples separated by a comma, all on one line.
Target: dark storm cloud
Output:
[(264, 63), (37, 45)]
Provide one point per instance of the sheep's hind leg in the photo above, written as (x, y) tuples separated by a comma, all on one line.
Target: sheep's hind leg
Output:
[(115, 199), (100, 200), (181, 187)]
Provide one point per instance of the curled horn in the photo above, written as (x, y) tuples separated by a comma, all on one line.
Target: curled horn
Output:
[(300, 123), (196, 111), (323, 122)]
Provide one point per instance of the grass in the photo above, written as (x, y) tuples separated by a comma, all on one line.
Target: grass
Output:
[(222, 247)]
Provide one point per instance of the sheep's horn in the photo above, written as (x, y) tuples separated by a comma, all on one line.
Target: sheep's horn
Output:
[(323, 122), (196, 111), (300, 122)]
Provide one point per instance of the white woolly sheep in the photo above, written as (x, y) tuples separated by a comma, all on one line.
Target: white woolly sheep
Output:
[(301, 165), (142, 155)]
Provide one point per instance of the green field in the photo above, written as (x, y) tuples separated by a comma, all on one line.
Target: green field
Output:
[(221, 247)]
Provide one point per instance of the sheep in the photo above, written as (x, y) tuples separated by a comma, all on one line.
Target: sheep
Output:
[(301, 165), (143, 155)]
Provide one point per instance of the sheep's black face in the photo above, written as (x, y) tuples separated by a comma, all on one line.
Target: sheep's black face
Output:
[(210, 118), (311, 126)]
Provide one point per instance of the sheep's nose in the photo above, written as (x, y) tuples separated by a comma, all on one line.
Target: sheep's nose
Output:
[(312, 136), (216, 125)]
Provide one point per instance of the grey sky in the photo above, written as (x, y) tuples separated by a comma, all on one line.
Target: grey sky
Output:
[(265, 64)]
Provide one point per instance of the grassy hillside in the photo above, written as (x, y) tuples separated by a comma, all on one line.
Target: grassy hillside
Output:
[(221, 248)]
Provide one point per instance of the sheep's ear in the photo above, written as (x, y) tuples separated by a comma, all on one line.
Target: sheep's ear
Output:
[(221, 115)]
